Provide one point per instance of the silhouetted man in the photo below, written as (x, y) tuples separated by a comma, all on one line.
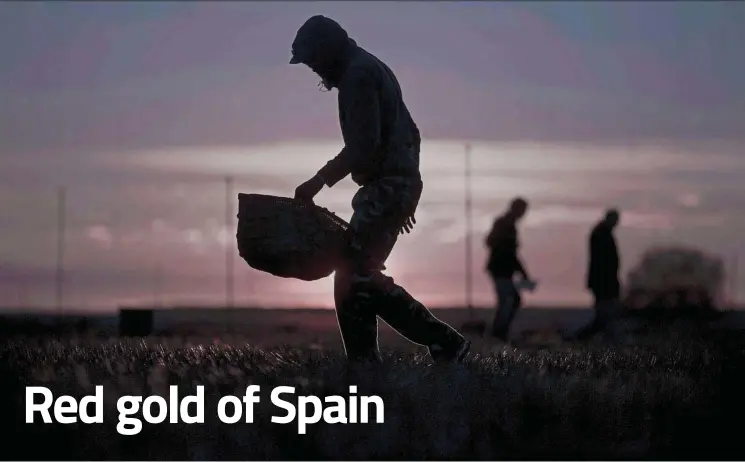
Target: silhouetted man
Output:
[(502, 265), (381, 152), (602, 276)]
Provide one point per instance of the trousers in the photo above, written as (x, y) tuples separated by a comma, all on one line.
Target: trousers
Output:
[(605, 319), (362, 293), (508, 303)]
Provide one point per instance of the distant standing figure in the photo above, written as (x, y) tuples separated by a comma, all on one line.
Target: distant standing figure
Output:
[(602, 276), (502, 265)]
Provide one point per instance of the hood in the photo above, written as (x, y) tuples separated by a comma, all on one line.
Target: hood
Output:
[(323, 45)]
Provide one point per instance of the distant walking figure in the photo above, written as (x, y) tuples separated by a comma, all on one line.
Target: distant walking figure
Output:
[(602, 276), (381, 152), (502, 265)]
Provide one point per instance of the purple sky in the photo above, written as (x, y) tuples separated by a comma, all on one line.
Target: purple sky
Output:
[(141, 108)]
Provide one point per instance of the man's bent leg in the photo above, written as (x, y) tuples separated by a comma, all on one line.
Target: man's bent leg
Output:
[(380, 210), (596, 324), (355, 313), (415, 322), (607, 313), (355, 310), (506, 308)]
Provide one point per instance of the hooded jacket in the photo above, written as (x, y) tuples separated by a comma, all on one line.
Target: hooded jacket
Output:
[(380, 137)]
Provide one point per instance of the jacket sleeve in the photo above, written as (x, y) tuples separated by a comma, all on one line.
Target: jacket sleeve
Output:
[(492, 236), (609, 254), (596, 258), (417, 134), (613, 255), (358, 100)]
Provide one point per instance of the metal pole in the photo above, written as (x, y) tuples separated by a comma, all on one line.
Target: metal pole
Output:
[(61, 197), (157, 302), (228, 248), (734, 281), (469, 229)]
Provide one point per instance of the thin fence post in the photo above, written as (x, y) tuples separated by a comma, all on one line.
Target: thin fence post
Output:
[(469, 231), (61, 206), (229, 295), (734, 281)]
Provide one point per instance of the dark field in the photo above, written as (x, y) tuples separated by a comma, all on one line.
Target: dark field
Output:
[(678, 395)]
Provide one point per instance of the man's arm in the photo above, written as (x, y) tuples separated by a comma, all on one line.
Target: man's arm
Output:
[(359, 100), (613, 256), (595, 246), (416, 136), (520, 267), (491, 238), (518, 261)]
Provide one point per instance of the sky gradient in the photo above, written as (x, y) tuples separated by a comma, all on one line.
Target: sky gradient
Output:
[(141, 109)]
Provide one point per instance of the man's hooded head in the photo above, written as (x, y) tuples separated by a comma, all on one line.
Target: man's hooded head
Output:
[(612, 218), (321, 44), (518, 208)]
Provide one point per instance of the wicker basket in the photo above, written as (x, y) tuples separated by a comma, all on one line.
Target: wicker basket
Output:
[(289, 238)]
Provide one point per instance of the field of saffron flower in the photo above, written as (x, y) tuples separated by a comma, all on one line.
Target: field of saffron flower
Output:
[(676, 396)]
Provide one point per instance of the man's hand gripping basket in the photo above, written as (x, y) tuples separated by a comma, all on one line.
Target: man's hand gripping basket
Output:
[(289, 238)]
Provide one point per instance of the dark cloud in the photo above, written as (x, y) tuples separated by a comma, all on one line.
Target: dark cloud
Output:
[(137, 75), (89, 90)]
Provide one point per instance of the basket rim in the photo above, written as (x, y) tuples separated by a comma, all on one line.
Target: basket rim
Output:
[(311, 205)]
